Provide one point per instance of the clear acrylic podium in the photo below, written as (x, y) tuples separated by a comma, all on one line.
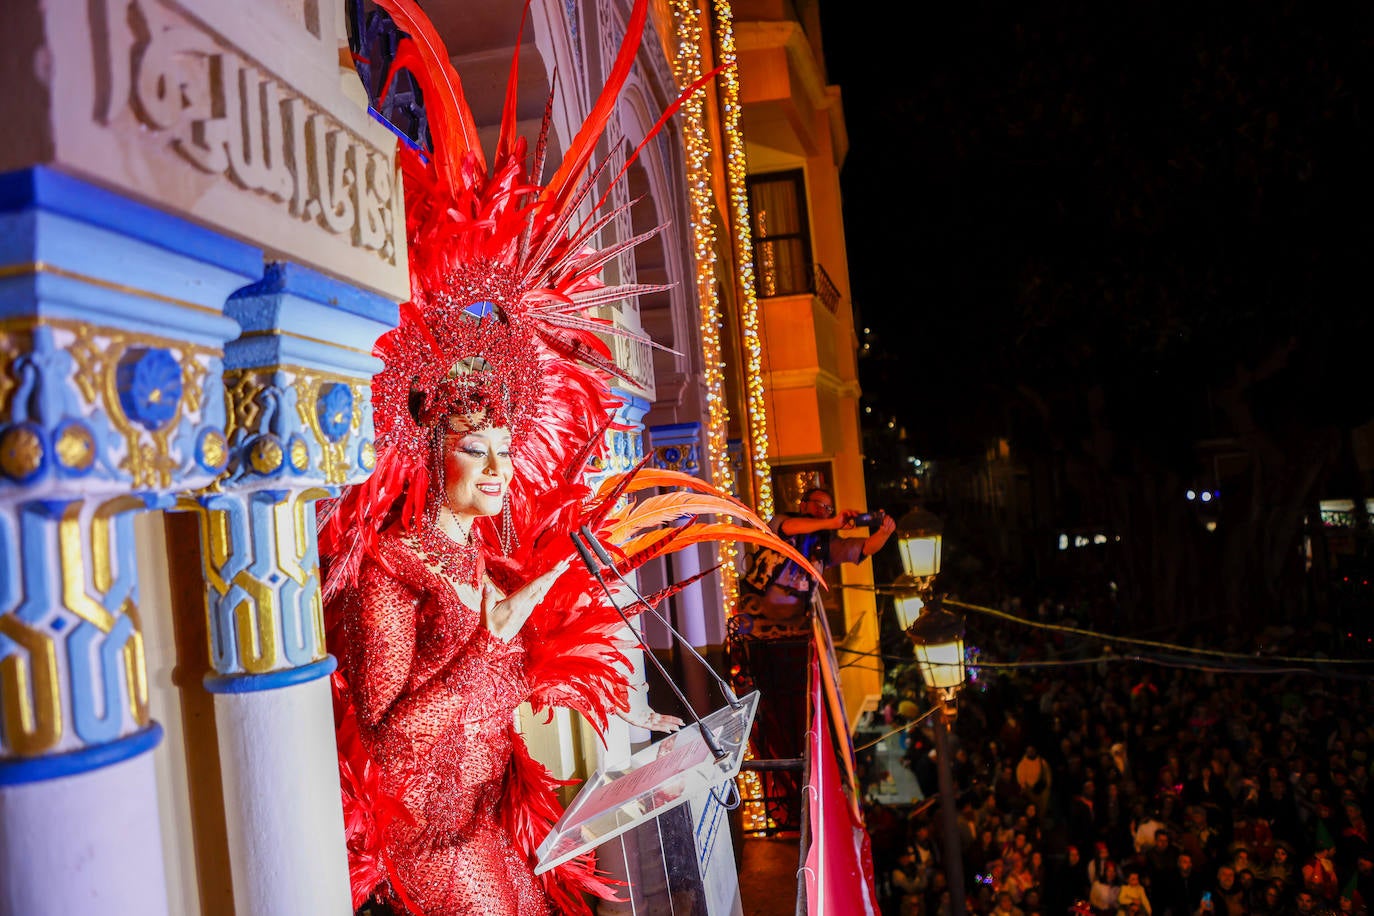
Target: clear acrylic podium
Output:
[(657, 779)]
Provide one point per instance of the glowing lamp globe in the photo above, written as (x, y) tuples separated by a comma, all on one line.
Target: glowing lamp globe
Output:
[(919, 535), (907, 600), (938, 637)]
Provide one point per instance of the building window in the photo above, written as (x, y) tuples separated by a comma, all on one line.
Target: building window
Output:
[(372, 41), (782, 233)]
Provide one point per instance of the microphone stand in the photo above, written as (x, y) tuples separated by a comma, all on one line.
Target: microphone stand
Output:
[(605, 558), (711, 743)]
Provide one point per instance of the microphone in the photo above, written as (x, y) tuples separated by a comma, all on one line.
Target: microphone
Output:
[(711, 743), (605, 558)]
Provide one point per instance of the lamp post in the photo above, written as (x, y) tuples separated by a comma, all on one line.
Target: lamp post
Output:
[(938, 639)]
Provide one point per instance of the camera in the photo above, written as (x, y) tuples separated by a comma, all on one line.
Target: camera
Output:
[(869, 519)]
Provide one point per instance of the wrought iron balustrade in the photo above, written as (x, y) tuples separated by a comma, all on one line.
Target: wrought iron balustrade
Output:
[(782, 273), (826, 290)]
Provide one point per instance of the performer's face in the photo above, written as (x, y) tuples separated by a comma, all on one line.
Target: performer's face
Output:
[(477, 466)]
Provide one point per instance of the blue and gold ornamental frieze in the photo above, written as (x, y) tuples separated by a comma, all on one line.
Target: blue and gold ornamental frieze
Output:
[(88, 408)]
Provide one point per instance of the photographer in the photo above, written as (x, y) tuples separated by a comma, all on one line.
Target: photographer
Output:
[(778, 590)]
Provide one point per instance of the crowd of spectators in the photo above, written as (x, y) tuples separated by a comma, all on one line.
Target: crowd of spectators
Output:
[(1125, 787)]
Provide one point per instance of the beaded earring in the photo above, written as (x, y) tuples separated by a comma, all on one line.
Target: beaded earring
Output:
[(508, 539)]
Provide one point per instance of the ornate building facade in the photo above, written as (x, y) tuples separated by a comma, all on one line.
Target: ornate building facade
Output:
[(204, 238)]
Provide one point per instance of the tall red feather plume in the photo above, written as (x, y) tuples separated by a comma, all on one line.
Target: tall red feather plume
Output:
[(584, 144), (445, 104), (506, 138)]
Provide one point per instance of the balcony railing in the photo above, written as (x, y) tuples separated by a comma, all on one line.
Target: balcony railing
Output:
[(826, 290), (782, 273)]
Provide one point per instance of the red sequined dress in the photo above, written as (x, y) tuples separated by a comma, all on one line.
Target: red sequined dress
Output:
[(435, 695)]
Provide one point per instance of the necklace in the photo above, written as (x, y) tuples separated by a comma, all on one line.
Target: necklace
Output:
[(461, 563)]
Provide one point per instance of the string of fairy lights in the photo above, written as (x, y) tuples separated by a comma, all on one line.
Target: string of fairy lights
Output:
[(687, 68), (736, 173)]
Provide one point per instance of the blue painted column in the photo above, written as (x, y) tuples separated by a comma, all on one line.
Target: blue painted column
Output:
[(677, 447), (300, 426), (624, 450), (111, 335)]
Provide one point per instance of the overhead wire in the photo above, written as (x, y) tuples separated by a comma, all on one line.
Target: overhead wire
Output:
[(1128, 640), (907, 727), (1152, 643), (1114, 658)]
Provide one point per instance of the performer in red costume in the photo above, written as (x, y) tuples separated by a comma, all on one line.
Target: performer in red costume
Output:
[(449, 595), (436, 662)]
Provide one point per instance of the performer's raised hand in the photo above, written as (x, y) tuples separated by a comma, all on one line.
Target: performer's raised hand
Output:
[(653, 721), (504, 617)]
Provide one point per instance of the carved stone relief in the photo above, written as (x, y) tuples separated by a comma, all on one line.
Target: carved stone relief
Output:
[(259, 142)]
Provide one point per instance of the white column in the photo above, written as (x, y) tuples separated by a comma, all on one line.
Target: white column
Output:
[(113, 865), (304, 411), (281, 801), (691, 619), (677, 447)]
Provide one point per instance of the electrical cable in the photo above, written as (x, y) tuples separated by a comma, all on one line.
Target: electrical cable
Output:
[(1162, 661), (1152, 643), (896, 731), (1108, 637)]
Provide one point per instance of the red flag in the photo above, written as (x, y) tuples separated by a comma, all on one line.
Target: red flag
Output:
[(839, 865)]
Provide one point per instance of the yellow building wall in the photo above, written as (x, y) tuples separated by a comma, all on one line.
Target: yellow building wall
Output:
[(793, 120)]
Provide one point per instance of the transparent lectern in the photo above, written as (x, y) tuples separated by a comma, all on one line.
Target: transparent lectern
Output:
[(644, 798)]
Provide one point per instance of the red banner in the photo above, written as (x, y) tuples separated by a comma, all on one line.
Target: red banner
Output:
[(839, 864)]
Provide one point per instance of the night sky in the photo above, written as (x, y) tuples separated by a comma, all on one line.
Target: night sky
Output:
[(1064, 215)]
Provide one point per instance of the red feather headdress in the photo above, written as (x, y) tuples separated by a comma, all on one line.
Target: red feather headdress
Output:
[(502, 276)]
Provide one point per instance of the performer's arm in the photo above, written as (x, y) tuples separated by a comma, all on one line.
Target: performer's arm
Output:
[(384, 641), (460, 691), (504, 617)]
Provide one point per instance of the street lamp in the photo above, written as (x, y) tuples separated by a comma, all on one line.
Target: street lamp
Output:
[(938, 638), (908, 598), (919, 537)]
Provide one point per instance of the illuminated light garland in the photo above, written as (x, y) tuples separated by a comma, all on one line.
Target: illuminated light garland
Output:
[(754, 807), (687, 68), (736, 173)]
